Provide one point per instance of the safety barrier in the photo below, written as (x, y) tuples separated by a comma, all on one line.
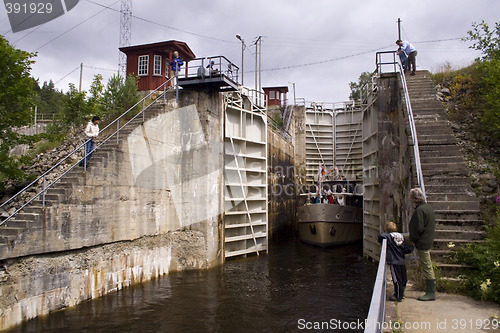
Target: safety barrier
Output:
[(376, 314)]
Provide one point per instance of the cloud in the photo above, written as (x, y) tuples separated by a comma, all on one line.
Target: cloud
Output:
[(297, 32)]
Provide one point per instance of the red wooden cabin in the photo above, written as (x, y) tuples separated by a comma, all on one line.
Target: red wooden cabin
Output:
[(150, 62), (276, 95)]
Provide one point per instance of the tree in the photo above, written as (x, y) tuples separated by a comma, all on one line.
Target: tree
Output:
[(17, 99), (485, 40), (488, 42), (356, 88), (120, 95)]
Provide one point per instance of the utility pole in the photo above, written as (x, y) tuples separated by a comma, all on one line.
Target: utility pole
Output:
[(399, 28), (242, 56), (81, 76), (258, 63), (125, 34)]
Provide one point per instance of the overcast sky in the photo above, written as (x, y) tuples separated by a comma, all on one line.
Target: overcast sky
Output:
[(320, 45)]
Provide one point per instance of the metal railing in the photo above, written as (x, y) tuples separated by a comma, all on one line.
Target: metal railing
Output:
[(396, 66), (376, 314), (211, 67), (164, 88)]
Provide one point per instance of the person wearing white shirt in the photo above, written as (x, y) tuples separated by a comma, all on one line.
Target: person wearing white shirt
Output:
[(91, 132), (411, 52)]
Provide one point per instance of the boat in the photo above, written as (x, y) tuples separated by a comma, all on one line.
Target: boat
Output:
[(327, 224)]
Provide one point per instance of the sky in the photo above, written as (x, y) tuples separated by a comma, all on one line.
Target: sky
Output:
[(318, 46)]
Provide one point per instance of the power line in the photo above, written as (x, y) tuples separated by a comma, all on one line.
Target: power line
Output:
[(67, 75), (65, 32), (164, 25), (325, 61)]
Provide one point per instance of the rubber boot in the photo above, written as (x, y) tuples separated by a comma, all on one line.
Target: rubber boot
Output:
[(430, 291)]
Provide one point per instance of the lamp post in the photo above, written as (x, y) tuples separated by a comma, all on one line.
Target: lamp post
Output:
[(242, 55)]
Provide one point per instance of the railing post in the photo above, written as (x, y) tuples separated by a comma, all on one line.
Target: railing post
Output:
[(118, 132), (176, 87), (43, 192)]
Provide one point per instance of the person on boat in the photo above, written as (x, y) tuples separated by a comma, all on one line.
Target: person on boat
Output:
[(422, 229), (396, 250)]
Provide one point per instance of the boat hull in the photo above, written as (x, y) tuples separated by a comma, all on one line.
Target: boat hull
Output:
[(329, 224)]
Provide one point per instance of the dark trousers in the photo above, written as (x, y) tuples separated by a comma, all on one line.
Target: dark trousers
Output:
[(89, 150), (399, 279), (412, 61)]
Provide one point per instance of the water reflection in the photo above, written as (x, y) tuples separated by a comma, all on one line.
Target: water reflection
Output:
[(295, 283)]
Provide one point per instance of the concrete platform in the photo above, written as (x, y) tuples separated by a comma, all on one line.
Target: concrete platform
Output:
[(448, 313)]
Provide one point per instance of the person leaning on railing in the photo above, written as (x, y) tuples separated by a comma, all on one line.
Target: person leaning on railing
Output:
[(422, 229)]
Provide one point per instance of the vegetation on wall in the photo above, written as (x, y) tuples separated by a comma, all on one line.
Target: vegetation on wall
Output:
[(475, 106), (20, 93)]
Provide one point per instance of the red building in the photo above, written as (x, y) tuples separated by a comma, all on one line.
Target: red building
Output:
[(275, 95), (150, 62)]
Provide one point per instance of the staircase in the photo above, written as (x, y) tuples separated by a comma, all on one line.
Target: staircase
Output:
[(447, 185), (33, 215)]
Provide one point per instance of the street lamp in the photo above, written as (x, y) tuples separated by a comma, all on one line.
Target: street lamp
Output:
[(242, 55)]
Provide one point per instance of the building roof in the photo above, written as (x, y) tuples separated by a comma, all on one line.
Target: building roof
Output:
[(164, 47), (283, 89)]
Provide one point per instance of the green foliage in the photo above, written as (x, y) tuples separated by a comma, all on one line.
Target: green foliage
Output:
[(17, 99), (120, 95), (50, 101), (482, 278), (356, 88), (485, 40)]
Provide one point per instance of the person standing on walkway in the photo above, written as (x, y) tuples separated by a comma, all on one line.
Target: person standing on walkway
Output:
[(175, 64), (411, 52), (422, 229), (91, 132), (396, 250)]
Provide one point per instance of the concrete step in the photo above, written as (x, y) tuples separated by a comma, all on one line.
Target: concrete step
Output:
[(446, 166), (10, 231), (451, 243), (440, 160), (436, 139), (460, 225), (449, 190), (457, 215), (35, 217), (466, 235), (25, 224), (445, 182), (451, 197), (472, 205)]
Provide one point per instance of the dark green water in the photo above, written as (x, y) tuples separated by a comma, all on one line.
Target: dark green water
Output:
[(293, 288)]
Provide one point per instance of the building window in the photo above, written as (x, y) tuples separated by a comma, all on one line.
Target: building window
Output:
[(272, 95), (157, 65), (143, 65)]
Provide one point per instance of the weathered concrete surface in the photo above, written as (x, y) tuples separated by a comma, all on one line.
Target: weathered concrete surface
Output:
[(387, 164), (281, 187), (36, 285)]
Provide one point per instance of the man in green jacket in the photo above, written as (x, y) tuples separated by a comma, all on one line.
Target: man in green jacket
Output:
[(422, 229)]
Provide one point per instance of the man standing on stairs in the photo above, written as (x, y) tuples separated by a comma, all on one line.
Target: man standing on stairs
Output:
[(411, 52), (91, 132), (422, 228)]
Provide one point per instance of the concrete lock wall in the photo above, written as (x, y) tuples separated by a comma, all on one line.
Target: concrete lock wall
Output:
[(154, 205), (281, 186), (386, 163)]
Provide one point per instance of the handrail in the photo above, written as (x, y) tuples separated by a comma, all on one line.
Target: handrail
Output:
[(43, 178), (376, 314), (399, 68)]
